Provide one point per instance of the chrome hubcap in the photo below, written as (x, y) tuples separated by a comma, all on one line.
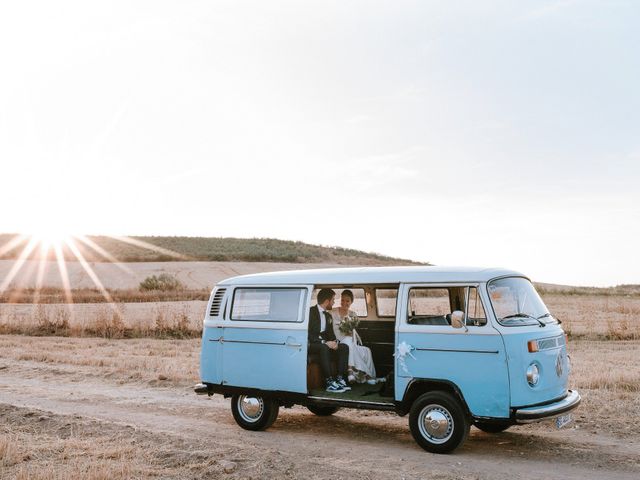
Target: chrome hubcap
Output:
[(435, 423), (250, 408)]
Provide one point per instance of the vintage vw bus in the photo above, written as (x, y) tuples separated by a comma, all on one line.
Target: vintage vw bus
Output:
[(457, 346)]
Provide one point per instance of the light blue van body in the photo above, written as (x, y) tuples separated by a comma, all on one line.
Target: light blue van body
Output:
[(488, 366)]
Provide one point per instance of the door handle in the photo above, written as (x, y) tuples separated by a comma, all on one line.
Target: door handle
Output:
[(291, 342)]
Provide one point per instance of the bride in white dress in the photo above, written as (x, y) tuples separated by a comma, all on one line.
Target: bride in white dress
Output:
[(361, 366)]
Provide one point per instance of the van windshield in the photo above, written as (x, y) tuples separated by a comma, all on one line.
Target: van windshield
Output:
[(516, 302)]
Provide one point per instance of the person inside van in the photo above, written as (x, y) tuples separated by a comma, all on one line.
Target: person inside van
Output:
[(322, 341), (361, 367)]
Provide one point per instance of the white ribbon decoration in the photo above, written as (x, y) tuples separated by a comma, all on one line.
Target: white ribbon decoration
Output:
[(403, 350)]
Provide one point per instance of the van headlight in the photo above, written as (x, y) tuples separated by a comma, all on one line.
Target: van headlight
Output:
[(533, 374)]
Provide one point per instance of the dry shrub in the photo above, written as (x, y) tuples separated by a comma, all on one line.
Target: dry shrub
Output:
[(172, 324), (38, 322), (163, 282), (108, 323), (9, 324), (52, 323), (620, 330)]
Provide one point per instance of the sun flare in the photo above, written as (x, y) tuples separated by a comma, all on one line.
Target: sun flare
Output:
[(51, 239), (34, 251)]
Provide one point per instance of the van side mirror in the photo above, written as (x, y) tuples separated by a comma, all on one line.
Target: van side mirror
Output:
[(457, 319)]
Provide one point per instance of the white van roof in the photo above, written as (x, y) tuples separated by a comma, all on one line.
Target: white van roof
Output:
[(372, 275)]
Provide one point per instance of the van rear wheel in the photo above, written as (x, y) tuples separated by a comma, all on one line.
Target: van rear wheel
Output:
[(322, 411), (438, 422), (254, 413)]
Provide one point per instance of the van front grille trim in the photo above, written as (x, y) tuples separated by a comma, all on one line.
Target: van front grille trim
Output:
[(550, 343)]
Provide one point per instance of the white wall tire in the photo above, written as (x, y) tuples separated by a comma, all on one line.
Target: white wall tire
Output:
[(438, 422), (253, 412)]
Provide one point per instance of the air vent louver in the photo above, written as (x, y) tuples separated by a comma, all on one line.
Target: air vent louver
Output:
[(217, 302)]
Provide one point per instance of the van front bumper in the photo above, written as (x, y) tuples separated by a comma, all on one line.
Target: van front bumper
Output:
[(549, 410)]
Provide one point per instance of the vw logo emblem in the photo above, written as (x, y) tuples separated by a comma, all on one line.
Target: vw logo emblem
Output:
[(559, 364)]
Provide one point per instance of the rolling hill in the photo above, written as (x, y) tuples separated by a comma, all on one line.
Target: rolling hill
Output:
[(165, 249)]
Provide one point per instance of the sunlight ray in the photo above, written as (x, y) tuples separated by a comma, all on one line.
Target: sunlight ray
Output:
[(23, 279), (101, 251), (64, 275), (18, 263), (13, 243), (42, 265), (87, 268), (149, 246)]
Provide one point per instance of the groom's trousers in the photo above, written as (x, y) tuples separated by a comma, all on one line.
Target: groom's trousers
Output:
[(326, 355)]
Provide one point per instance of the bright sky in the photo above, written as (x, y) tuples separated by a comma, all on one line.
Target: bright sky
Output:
[(493, 133)]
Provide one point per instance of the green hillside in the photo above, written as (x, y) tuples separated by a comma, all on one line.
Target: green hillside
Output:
[(164, 249)]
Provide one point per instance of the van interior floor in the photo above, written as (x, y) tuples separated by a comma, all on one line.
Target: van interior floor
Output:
[(360, 392)]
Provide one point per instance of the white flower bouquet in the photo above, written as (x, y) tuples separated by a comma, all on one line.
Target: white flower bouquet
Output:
[(348, 324)]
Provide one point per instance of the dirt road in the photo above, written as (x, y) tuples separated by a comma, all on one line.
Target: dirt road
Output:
[(196, 436)]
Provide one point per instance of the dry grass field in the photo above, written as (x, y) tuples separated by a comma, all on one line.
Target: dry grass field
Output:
[(583, 316), (121, 320), (597, 316), (104, 391), (115, 409)]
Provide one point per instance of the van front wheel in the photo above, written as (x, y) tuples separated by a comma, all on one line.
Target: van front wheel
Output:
[(438, 422), (254, 413)]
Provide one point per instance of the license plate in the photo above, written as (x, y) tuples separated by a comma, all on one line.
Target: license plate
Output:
[(563, 420)]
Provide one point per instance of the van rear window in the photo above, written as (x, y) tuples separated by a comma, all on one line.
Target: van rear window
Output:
[(268, 304), (386, 299)]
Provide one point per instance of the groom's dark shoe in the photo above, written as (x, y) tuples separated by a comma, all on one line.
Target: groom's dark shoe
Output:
[(340, 381), (334, 387)]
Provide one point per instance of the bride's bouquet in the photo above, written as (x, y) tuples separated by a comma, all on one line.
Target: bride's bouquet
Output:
[(348, 324)]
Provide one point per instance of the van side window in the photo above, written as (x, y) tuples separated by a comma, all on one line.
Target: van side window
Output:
[(475, 310), (429, 306), (386, 299), (268, 304)]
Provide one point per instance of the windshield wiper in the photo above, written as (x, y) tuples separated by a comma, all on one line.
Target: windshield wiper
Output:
[(549, 315), (525, 315)]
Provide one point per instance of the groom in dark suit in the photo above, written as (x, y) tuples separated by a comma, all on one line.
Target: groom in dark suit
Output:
[(322, 340)]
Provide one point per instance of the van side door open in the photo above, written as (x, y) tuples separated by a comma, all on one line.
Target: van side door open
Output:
[(265, 339)]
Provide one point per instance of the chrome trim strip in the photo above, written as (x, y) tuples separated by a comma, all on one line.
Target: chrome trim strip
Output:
[(256, 325), (542, 412), (454, 350), (250, 341), (448, 330)]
